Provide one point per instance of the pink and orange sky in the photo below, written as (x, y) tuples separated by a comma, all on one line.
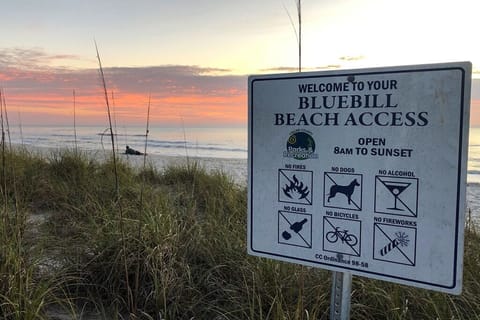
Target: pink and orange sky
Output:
[(193, 56)]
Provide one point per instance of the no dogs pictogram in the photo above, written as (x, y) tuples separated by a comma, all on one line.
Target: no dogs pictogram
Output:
[(342, 190)]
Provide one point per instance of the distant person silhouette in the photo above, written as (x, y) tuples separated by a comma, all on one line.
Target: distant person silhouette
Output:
[(129, 150)]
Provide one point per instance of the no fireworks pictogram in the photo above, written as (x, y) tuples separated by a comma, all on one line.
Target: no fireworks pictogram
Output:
[(395, 244)]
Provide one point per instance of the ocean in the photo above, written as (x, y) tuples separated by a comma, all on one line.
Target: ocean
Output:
[(227, 143), (219, 142)]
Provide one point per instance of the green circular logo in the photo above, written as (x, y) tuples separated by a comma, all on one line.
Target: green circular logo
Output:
[(300, 145)]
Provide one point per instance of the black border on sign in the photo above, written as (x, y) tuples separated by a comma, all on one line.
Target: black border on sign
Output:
[(353, 73)]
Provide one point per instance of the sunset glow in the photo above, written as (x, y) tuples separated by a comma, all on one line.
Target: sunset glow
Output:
[(193, 59)]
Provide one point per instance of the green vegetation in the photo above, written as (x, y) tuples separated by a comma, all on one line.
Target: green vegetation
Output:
[(178, 253)]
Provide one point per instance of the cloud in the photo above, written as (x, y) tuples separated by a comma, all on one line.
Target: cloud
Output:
[(295, 69), (195, 94), (31, 58)]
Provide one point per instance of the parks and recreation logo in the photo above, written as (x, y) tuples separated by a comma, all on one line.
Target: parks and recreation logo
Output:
[(300, 146)]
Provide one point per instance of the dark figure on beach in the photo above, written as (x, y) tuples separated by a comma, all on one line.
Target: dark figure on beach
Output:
[(132, 151)]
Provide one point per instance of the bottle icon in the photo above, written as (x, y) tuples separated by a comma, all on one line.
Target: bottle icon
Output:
[(298, 226), (295, 227)]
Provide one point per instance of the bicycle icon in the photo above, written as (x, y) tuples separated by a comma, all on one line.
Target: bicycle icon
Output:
[(344, 236)]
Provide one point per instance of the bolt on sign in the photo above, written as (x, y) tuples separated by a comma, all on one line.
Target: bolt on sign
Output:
[(362, 171)]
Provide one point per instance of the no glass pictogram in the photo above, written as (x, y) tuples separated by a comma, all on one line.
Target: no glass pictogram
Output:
[(343, 191), (398, 196), (395, 244), (342, 236), (295, 229), (295, 186)]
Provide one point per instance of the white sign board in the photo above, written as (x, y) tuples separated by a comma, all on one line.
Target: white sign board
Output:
[(362, 171)]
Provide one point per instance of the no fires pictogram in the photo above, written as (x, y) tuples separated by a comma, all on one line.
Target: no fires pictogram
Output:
[(295, 186)]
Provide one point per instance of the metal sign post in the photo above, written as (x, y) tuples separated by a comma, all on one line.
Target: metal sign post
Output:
[(340, 295)]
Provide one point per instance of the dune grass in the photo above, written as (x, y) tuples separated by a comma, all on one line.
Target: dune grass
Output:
[(62, 251)]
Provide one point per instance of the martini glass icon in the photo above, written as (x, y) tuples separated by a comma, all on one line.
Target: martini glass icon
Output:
[(396, 188)]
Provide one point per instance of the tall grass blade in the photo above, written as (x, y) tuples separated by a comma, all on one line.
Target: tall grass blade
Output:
[(75, 123), (299, 11), (185, 143), (4, 168), (141, 213), (115, 119), (298, 34), (117, 184)]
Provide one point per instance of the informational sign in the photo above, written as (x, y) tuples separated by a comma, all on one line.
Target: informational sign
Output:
[(362, 171)]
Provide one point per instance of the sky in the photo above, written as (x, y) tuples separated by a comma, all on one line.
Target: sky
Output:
[(190, 59)]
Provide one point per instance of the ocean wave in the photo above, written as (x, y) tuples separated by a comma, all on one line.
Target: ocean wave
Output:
[(192, 146), (107, 133)]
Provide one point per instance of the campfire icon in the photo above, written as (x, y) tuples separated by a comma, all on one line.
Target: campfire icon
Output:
[(296, 189), (295, 186)]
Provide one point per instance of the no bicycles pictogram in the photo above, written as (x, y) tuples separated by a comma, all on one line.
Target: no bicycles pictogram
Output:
[(342, 236)]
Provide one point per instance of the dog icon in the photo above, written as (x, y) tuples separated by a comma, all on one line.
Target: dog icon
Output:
[(346, 190)]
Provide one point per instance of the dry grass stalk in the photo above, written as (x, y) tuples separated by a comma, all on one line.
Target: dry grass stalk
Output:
[(117, 184)]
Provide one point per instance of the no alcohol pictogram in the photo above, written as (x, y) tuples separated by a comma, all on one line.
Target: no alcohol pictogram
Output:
[(343, 191), (398, 196)]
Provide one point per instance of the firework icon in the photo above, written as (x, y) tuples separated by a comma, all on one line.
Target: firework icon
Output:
[(402, 238), (395, 244)]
